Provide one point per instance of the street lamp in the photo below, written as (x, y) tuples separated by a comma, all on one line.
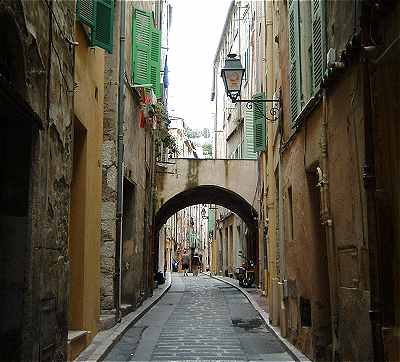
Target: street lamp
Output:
[(232, 75)]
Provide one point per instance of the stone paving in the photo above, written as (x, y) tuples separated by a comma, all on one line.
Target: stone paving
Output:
[(200, 319)]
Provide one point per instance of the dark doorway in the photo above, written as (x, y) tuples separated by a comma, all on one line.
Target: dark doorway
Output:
[(16, 138), (129, 288)]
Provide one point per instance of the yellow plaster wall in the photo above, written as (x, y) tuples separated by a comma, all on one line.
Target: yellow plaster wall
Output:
[(88, 109)]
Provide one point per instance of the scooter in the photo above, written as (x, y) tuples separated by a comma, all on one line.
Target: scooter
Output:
[(246, 273)]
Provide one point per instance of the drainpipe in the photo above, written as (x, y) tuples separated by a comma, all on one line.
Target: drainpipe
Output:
[(120, 164), (327, 223), (375, 269), (216, 112), (369, 177)]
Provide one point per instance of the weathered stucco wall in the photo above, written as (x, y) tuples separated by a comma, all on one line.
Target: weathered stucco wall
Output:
[(46, 70), (305, 240), (385, 83), (346, 157)]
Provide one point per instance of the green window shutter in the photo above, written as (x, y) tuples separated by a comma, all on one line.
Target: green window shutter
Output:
[(318, 42), (259, 123), (86, 12), (155, 61), (141, 38), (102, 35), (249, 135), (294, 60)]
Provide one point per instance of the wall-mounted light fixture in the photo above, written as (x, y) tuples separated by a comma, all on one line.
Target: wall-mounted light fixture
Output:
[(232, 75)]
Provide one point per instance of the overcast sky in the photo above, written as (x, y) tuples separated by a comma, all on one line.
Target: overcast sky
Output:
[(195, 32)]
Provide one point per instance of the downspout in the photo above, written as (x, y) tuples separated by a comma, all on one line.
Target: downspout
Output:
[(120, 164), (269, 88), (327, 223), (264, 158), (216, 112), (369, 177)]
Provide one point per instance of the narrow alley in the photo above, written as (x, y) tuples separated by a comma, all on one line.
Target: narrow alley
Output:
[(199, 318)]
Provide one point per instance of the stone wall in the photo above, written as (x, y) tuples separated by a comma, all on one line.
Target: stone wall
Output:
[(109, 171), (138, 164), (45, 67)]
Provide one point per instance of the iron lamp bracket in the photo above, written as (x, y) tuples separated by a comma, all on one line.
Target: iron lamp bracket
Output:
[(273, 111)]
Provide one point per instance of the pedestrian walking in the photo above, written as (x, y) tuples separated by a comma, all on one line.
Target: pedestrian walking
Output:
[(195, 265), (185, 264)]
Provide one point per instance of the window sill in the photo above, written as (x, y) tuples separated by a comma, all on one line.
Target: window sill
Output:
[(87, 33), (312, 103)]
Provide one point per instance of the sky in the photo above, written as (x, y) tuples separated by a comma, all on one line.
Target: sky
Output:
[(194, 36)]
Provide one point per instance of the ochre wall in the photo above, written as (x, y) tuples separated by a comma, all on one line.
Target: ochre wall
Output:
[(88, 109)]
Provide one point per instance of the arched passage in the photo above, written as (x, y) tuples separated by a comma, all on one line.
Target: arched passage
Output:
[(211, 194), (208, 194)]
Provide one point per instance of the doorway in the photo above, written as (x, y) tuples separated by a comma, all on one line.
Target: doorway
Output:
[(129, 243), (16, 139), (77, 229)]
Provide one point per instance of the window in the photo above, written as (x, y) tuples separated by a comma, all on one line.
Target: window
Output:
[(259, 131), (146, 51), (318, 42), (305, 312), (294, 60), (307, 44), (98, 15)]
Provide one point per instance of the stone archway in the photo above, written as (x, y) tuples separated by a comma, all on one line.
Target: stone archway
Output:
[(211, 194), (208, 194), (230, 183)]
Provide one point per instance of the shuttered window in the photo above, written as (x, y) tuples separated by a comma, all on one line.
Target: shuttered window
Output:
[(146, 51), (102, 35), (99, 16), (318, 43), (294, 60), (86, 12), (259, 123), (249, 135), (141, 42), (155, 61)]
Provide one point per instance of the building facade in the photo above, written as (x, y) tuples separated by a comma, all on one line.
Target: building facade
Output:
[(36, 85), (127, 252), (324, 192), (64, 219), (326, 179)]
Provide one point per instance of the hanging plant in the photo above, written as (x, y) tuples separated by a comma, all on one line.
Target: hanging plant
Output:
[(162, 135), (149, 111)]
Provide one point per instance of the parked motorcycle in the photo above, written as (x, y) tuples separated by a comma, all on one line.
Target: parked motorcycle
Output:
[(246, 273)]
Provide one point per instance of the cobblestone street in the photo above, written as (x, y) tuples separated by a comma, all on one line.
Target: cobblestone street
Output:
[(200, 318)]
